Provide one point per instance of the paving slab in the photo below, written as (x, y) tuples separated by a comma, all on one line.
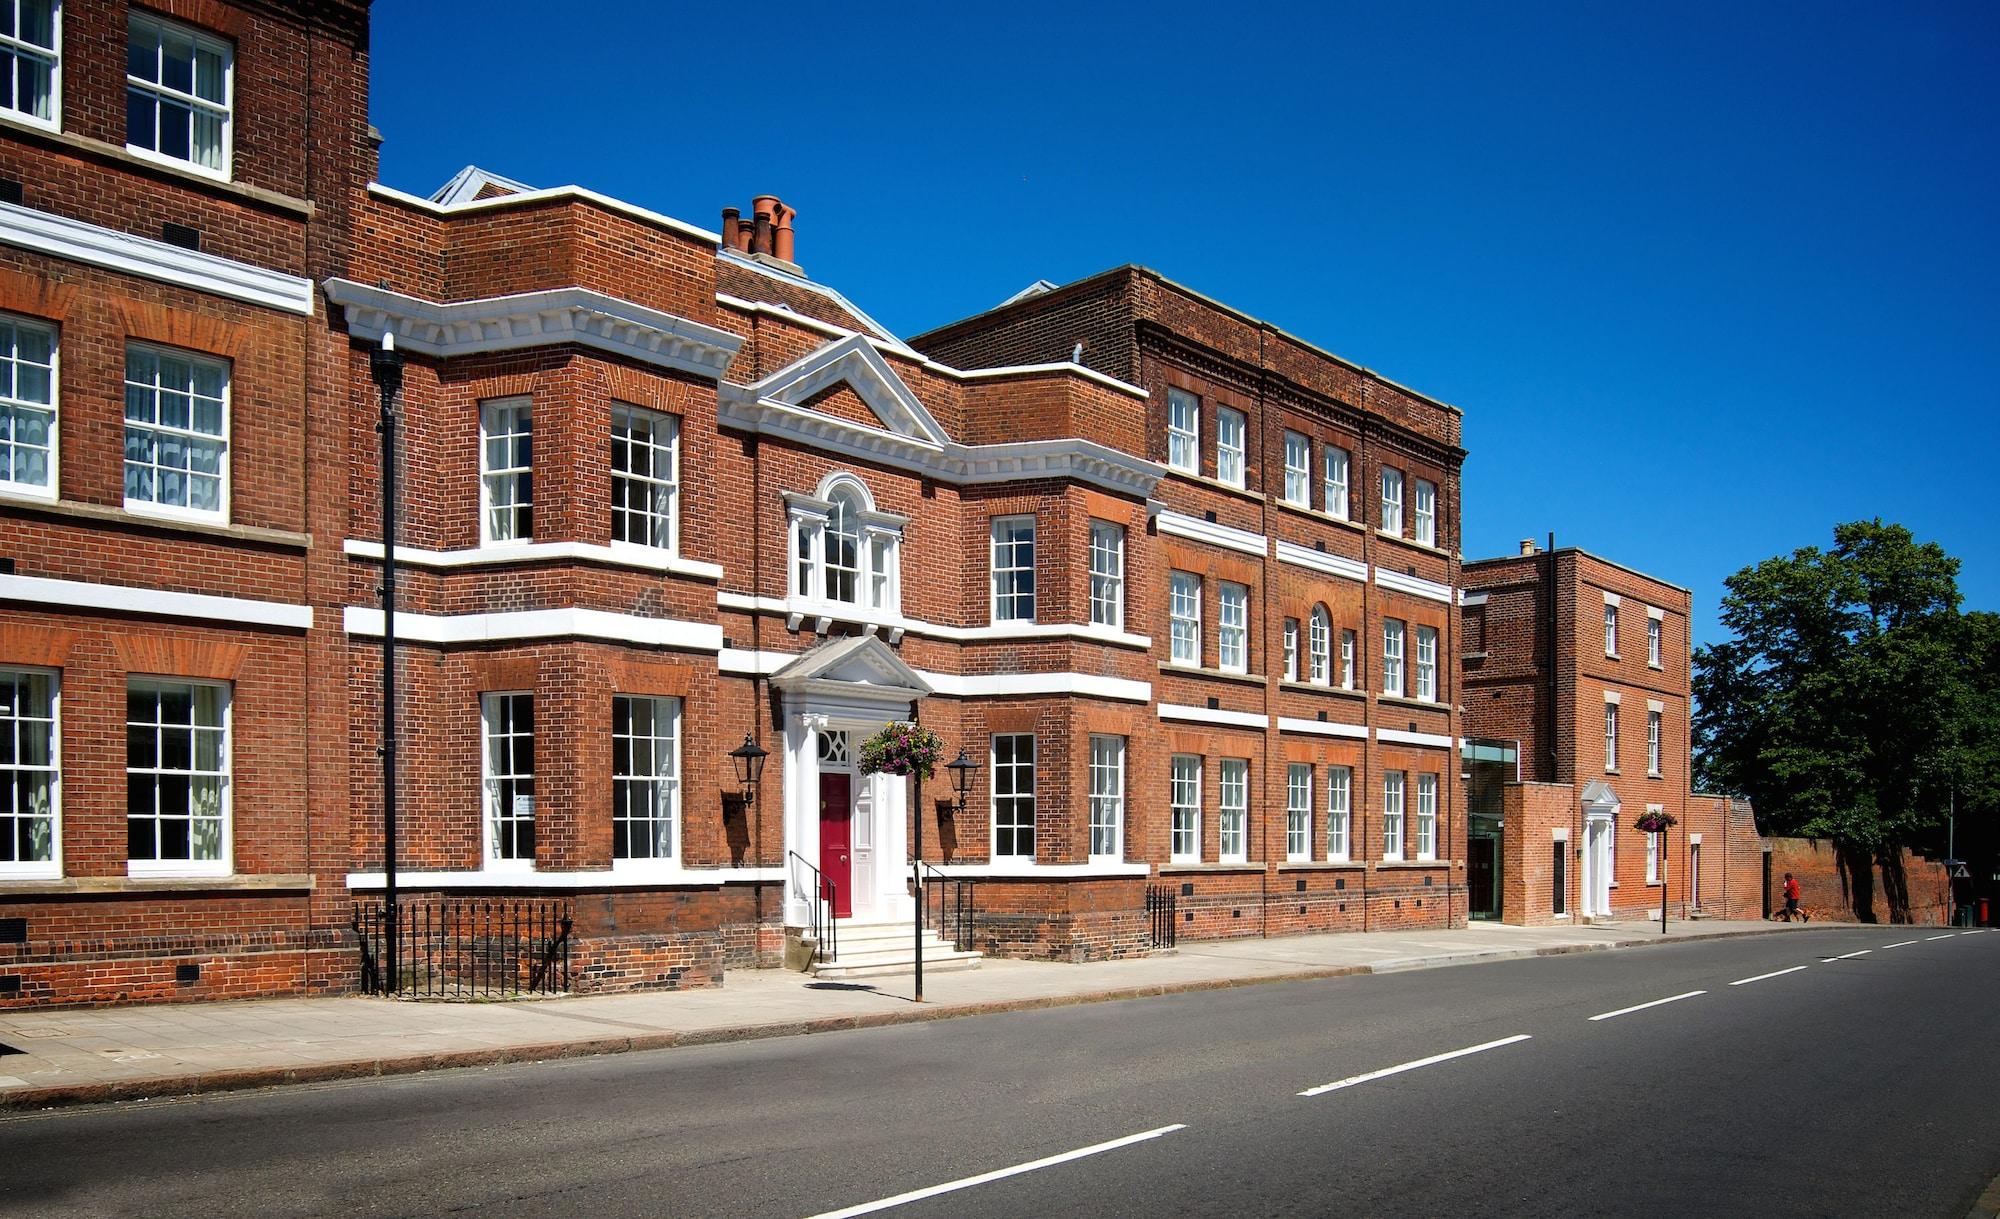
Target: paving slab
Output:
[(70, 1056)]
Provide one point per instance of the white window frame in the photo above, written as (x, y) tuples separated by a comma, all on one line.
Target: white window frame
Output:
[(1653, 850), (154, 391), (1611, 738), (18, 48), (223, 864), (1424, 505), (1350, 649), (493, 785), (1339, 813), (1291, 647), (634, 431), (13, 405), (506, 419), (1298, 811), (657, 791), (1107, 798), (1015, 797), (1107, 574), (1319, 645), (878, 577), (1427, 816), (1010, 579), (1335, 462), (1184, 431), (1393, 634), (1393, 791), (160, 92), (1232, 429), (1184, 805), (1653, 721), (1232, 825), (1298, 470), (1653, 634), (1232, 628), (1392, 501), (1427, 646), (1611, 629), (1184, 618), (11, 786)]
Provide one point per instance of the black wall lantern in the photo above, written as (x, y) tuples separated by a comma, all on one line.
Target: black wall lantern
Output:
[(749, 760), (961, 769)]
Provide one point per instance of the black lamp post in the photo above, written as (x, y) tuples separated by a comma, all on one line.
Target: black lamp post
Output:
[(749, 761), (385, 363)]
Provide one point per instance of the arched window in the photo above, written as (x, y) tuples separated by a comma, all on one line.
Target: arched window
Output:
[(1319, 646), (844, 550)]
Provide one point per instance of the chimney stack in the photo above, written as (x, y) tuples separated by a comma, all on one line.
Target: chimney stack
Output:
[(731, 221), (1527, 545), (764, 232)]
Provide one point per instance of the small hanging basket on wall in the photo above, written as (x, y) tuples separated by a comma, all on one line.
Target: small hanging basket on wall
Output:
[(1655, 822)]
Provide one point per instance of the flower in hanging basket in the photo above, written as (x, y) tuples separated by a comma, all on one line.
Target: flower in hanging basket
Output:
[(1657, 822), (902, 749)]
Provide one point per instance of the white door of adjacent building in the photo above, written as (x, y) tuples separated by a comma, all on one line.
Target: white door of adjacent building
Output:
[(1597, 867)]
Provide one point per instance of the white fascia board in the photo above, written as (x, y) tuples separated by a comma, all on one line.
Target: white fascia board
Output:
[(799, 281), (535, 319), (78, 241), (1353, 732), (619, 878), (1415, 586), (1027, 870), (645, 558), (842, 612), (1228, 537), (584, 194), (1068, 457), (1065, 366), (1320, 561), (1204, 715), (154, 603), (448, 629), (1396, 736)]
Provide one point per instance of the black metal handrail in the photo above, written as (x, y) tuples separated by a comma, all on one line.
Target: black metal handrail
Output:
[(473, 948), (1162, 905), (825, 926), (954, 904)]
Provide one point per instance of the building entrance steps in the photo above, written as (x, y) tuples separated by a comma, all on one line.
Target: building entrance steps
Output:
[(874, 950), (53, 1056)]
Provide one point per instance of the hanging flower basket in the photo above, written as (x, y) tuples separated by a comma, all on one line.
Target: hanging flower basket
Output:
[(1655, 823), (902, 749)]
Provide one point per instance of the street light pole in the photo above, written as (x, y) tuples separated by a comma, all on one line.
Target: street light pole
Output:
[(386, 363)]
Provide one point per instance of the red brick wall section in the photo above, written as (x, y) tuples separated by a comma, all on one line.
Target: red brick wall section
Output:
[(1827, 892)]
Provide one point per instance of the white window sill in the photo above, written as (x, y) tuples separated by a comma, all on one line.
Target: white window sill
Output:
[(615, 878), (1023, 869), (166, 512), (24, 119), (29, 491), (1321, 865), (175, 869), (40, 871), (182, 164)]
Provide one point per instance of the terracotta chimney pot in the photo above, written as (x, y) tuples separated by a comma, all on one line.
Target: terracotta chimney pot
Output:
[(760, 235), (731, 221), (783, 239)]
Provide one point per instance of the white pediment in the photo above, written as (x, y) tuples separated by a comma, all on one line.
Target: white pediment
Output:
[(1598, 794), (858, 662), (854, 362)]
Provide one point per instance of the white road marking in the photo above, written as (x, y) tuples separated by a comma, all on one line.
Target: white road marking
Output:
[(1849, 955), (1946, 936), (1760, 977), (1351, 1080), (1624, 1011), (1900, 944), (918, 1195)]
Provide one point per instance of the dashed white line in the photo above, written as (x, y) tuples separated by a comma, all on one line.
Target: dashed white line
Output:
[(1760, 977), (918, 1195), (1900, 944), (1947, 935), (1845, 956), (1640, 1007), (1352, 1080)]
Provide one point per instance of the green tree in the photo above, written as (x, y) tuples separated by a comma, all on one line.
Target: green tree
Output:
[(1842, 703)]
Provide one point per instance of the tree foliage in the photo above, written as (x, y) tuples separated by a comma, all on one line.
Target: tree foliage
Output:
[(1852, 699)]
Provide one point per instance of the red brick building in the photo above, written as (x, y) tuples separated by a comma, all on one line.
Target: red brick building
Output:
[(1581, 665), (1179, 582)]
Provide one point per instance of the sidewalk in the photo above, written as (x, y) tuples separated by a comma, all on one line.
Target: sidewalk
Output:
[(73, 1056)]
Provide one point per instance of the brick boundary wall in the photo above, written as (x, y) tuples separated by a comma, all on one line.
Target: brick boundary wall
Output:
[(1827, 892)]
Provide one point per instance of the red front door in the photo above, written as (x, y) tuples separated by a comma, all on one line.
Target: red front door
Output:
[(836, 824)]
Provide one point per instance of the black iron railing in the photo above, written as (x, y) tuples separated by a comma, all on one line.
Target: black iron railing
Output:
[(1161, 905), (473, 948), (823, 903), (950, 897)]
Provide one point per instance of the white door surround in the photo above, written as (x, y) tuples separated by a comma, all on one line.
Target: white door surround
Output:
[(1600, 822), (852, 686)]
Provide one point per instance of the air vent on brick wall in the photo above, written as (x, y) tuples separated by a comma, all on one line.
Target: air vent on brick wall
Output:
[(186, 236), (13, 931), (6, 567), (187, 973), (10, 985), (10, 191)]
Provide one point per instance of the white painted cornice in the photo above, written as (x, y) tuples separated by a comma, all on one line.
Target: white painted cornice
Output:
[(1287, 723), (449, 629), (1207, 715), (644, 558), (1228, 537), (853, 362), (1321, 561), (840, 611), (1415, 586), (748, 662), (1396, 736), (535, 319), (78, 241), (153, 602)]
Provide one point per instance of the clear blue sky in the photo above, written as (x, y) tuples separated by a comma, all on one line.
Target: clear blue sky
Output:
[(1705, 280)]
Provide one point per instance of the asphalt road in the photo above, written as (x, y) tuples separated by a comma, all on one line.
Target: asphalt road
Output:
[(1868, 1085)]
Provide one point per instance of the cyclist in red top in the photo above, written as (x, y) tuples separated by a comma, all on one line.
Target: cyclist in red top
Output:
[(1792, 910)]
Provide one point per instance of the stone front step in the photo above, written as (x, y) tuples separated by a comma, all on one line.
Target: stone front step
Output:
[(869, 950)]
